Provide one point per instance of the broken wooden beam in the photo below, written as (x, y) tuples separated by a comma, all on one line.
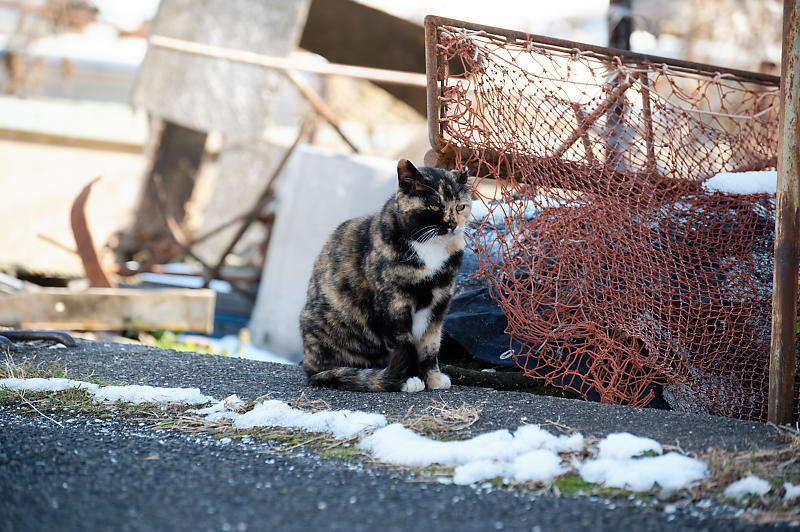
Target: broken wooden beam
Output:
[(285, 63), (108, 309)]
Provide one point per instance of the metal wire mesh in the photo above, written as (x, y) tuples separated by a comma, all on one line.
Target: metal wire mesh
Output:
[(619, 273)]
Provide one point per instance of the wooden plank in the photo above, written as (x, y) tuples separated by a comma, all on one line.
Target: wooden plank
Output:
[(787, 228), (381, 75), (103, 309)]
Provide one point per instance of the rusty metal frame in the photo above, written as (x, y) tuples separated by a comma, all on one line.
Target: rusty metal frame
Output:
[(437, 73)]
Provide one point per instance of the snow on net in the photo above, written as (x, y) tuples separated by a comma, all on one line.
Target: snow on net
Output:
[(620, 275)]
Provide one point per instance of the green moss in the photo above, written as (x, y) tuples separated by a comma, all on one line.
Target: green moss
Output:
[(345, 454), (575, 485), (9, 396), (285, 438), (777, 482), (234, 436), (645, 454), (497, 482), (70, 398)]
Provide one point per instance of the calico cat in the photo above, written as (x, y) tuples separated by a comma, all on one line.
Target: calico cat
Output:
[(381, 286)]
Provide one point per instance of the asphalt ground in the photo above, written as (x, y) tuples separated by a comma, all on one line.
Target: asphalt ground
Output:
[(113, 474)]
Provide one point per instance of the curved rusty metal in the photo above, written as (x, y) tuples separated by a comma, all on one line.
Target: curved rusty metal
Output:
[(95, 273)]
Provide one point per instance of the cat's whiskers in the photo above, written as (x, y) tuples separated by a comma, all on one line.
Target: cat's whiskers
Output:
[(429, 235), (421, 231), (420, 236)]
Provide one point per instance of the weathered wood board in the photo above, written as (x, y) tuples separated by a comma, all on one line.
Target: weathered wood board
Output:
[(106, 309)]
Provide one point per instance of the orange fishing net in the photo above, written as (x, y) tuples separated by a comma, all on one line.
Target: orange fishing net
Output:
[(621, 275)]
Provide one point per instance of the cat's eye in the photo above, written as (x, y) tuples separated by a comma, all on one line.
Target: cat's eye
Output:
[(460, 208), (434, 207)]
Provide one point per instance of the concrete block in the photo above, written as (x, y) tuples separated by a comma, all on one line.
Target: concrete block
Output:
[(213, 94)]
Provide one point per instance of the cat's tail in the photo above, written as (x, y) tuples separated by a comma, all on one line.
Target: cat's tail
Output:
[(356, 380)]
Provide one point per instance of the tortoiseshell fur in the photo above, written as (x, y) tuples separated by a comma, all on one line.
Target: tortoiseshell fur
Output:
[(381, 286)]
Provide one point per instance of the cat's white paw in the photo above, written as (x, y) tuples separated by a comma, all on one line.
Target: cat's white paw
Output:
[(413, 384), (438, 381)]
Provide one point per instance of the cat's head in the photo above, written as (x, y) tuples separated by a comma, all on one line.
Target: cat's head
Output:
[(432, 201)]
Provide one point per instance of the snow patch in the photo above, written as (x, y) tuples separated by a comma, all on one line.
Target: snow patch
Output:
[(755, 182), (340, 423), (750, 485), (621, 445), (131, 393), (135, 393), (225, 409), (46, 385), (536, 466), (792, 491), (671, 471), (529, 454), (400, 445), (479, 210)]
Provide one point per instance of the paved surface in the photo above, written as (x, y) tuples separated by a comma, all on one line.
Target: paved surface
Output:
[(95, 474)]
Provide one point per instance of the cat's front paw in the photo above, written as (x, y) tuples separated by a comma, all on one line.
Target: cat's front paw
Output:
[(437, 380), (413, 384)]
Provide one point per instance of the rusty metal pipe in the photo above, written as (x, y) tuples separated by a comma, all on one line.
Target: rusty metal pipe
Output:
[(605, 53)]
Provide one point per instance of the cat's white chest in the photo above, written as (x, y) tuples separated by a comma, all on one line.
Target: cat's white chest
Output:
[(419, 322), (435, 252)]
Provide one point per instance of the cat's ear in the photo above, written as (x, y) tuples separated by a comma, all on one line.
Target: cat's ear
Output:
[(408, 177), (462, 176)]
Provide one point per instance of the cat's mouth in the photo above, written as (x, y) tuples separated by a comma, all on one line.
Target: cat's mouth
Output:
[(450, 231)]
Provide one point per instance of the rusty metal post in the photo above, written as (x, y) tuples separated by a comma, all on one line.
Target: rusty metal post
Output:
[(787, 227)]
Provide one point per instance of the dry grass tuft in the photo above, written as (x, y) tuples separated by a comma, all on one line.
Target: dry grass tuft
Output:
[(312, 405), (440, 419), (11, 370)]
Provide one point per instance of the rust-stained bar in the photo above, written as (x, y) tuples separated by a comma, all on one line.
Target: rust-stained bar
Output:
[(433, 82), (787, 228), (605, 53), (648, 121)]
